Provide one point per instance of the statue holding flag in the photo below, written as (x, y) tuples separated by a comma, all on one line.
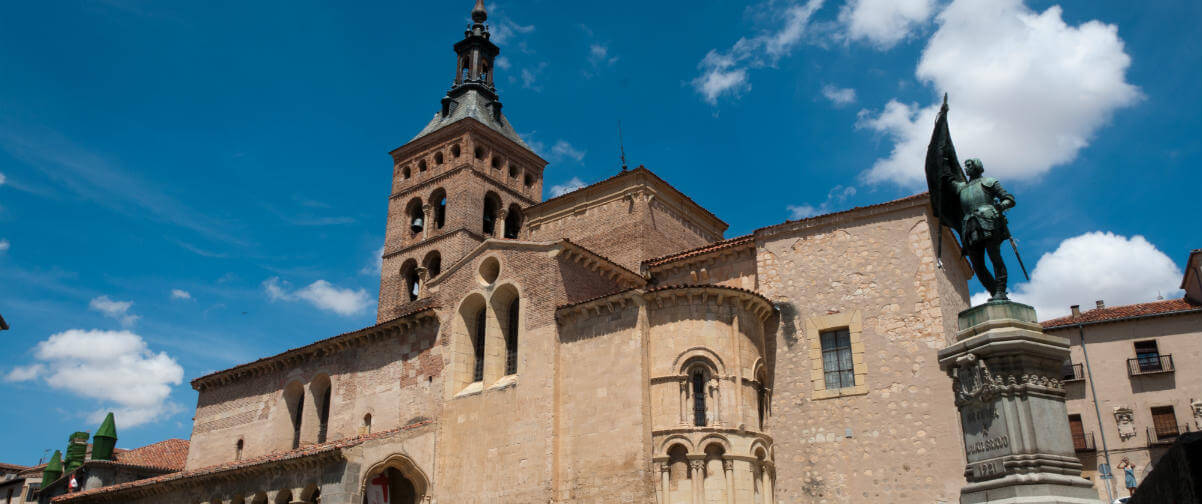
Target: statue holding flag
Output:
[(971, 205)]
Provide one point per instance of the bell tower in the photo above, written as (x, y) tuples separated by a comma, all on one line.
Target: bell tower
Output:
[(466, 177)]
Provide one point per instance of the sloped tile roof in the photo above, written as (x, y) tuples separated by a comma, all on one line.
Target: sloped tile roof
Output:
[(724, 244), (304, 451), (1118, 313), (170, 454)]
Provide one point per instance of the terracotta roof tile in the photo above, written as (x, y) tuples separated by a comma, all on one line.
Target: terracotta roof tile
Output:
[(12, 467), (724, 244), (170, 454), (912, 197), (1118, 313), (305, 451)]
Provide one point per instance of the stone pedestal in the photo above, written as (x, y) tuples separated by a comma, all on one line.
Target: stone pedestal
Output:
[(1006, 375)]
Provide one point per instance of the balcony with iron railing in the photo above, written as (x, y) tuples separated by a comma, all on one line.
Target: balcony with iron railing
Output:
[(1073, 373), (1150, 364), (1165, 435), (1084, 442)]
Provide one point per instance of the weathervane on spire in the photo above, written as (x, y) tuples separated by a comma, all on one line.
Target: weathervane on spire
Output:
[(621, 146)]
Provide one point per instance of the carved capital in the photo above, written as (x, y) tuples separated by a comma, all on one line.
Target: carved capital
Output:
[(501, 213), (697, 465), (665, 467), (728, 464)]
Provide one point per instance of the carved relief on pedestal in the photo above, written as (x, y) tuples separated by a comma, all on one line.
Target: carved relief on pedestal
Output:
[(1196, 405), (1125, 418)]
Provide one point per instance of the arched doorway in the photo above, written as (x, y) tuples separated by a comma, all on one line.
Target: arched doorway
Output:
[(394, 481)]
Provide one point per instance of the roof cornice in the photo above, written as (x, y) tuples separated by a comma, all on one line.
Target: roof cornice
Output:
[(659, 296)]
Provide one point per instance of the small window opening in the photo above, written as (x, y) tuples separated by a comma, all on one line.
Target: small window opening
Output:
[(438, 158), (417, 220), (478, 347), (699, 398), (496, 162), (1147, 355), (367, 423), (406, 173), (455, 150), (761, 403), (529, 180), (511, 339), (421, 165), (439, 202), (296, 421), (479, 152), (491, 206), (513, 222), (513, 171), (238, 450), (323, 420)]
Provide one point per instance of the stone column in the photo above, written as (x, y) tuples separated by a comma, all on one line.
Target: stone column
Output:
[(427, 213), (423, 274), (766, 483), (684, 400), (1006, 374), (499, 227), (665, 476), (728, 466), (697, 477), (716, 395)]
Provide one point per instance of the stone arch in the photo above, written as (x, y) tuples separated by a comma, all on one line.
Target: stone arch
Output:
[(438, 204), (410, 281), (709, 441), (416, 217), (294, 402), (467, 340), (406, 467), (283, 497), (321, 389), (679, 474), (676, 439), (492, 209), (310, 493), (259, 498), (513, 221), (761, 450), (433, 263), (688, 358), (238, 499), (506, 306)]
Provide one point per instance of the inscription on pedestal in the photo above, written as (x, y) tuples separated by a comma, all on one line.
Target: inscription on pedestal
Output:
[(985, 432)]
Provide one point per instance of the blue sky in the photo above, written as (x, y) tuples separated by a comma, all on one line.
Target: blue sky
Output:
[(185, 187)]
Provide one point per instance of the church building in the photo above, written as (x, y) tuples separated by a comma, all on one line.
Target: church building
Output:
[(607, 345)]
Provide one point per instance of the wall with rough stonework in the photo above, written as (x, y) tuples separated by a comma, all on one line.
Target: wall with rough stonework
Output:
[(733, 267), (390, 378), (894, 436)]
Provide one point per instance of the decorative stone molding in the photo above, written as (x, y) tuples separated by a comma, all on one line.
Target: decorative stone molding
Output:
[(1196, 406), (1125, 418), (973, 380)]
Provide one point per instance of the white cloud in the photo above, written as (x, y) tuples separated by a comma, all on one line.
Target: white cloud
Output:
[(1027, 91), (1096, 266), (2, 179), (24, 373), (884, 23), (376, 265), (117, 310), (839, 96), (598, 55), (503, 63), (726, 72), (835, 198), (530, 78), (505, 30), (180, 294), (113, 367), (4, 245), (564, 150), (321, 294), (566, 187)]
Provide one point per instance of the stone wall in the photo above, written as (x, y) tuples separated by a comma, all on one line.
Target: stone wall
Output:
[(892, 436)]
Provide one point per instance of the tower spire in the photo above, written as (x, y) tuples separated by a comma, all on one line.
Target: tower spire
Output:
[(479, 15)]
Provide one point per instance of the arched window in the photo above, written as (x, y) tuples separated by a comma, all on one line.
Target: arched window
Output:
[(438, 158), (511, 339), (416, 219), (421, 165), (761, 398), (294, 398), (438, 200), (321, 389), (455, 151), (480, 153), (410, 282), (367, 423), (238, 450), (492, 204), (698, 382), (478, 346), (513, 221), (406, 173), (529, 180), (433, 264), (496, 162), (513, 170)]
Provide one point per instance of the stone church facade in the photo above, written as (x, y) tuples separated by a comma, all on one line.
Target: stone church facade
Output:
[(606, 345)]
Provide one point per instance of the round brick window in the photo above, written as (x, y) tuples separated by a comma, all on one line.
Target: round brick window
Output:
[(490, 268)]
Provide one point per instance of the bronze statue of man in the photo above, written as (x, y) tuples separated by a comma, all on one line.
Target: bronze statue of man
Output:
[(971, 205)]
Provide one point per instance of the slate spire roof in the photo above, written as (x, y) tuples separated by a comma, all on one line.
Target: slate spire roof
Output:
[(472, 93)]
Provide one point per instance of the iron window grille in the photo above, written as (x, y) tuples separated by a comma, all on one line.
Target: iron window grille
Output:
[(1150, 364)]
